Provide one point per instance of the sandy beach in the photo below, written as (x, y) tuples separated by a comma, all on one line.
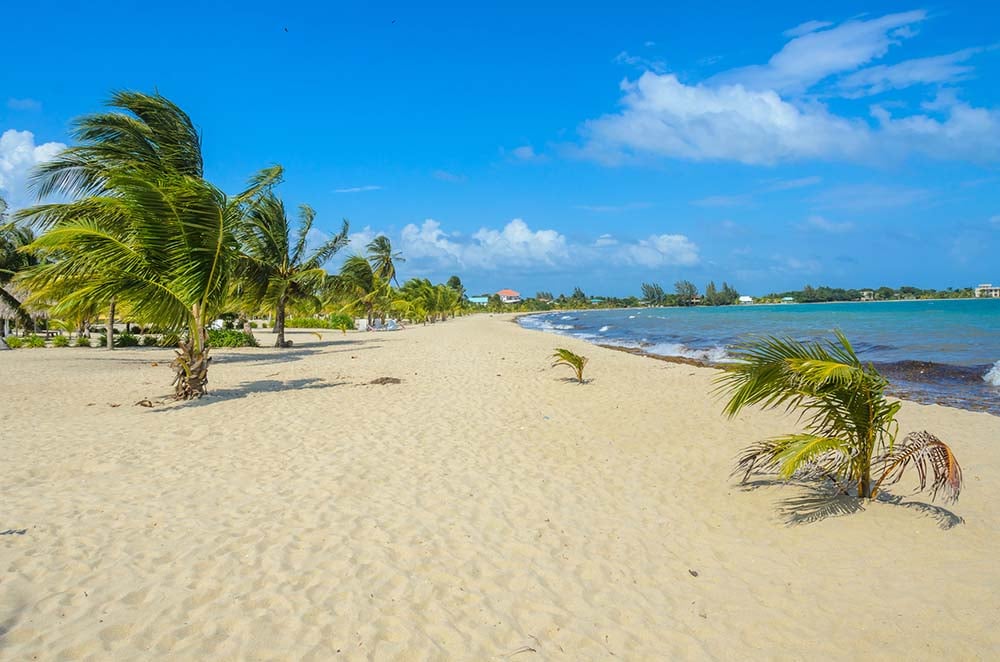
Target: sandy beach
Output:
[(482, 509)]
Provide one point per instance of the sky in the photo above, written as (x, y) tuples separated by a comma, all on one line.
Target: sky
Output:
[(545, 146)]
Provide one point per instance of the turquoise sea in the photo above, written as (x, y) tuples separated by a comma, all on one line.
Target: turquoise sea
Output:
[(942, 351)]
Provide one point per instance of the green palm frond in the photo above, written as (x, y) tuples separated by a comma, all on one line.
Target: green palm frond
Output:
[(575, 361)]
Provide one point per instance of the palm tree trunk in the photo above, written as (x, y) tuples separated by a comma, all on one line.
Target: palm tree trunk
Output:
[(279, 322), (111, 325), (191, 364)]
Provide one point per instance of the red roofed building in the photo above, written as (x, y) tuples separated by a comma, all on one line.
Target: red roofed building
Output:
[(509, 296)]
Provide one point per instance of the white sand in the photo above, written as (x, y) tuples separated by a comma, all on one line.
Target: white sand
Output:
[(482, 509)]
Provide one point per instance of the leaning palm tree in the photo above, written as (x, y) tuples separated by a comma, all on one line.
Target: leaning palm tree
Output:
[(277, 274), (383, 259), (358, 287), (143, 227), (851, 426)]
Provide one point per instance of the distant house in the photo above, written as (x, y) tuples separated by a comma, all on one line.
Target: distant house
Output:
[(479, 301), (987, 291), (867, 295), (509, 296), (745, 300), (787, 299)]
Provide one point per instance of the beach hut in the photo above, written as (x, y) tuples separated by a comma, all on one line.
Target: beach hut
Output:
[(9, 315), (744, 300)]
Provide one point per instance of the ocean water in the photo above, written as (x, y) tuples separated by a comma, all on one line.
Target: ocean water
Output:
[(945, 352)]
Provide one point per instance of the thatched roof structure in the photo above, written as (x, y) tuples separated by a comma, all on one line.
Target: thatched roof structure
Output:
[(6, 312)]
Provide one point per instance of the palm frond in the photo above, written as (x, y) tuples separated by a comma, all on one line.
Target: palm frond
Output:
[(931, 457)]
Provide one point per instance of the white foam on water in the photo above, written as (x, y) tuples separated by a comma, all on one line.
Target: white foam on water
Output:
[(604, 328), (715, 354), (992, 376), (631, 317)]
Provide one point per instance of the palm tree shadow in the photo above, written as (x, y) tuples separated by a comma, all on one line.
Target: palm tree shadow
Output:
[(817, 501), (246, 389)]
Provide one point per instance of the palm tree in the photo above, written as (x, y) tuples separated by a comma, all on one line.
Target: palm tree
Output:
[(144, 229), (277, 274), (382, 259), (359, 286), (13, 259), (851, 425)]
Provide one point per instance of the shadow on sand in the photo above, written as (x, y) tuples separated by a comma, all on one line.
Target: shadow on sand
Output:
[(817, 501), (245, 389)]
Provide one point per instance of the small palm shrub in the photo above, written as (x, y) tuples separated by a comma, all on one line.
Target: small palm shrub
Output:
[(230, 338), (126, 340), (60, 341), (851, 426), (150, 341), (342, 322), (14, 342), (34, 342), (574, 361), (83, 341)]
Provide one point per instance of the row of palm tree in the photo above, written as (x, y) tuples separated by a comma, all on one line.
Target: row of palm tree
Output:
[(142, 233)]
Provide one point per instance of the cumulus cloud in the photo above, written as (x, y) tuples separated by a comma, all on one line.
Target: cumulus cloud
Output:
[(514, 245), (358, 189), (662, 250), (768, 114), (518, 246), (18, 155)]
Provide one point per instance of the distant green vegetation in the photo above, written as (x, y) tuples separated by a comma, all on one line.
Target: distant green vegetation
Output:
[(810, 294), (230, 338)]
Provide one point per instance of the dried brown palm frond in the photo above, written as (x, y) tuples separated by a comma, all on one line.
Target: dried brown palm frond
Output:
[(931, 457)]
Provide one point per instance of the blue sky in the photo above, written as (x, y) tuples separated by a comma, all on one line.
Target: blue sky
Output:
[(545, 147)]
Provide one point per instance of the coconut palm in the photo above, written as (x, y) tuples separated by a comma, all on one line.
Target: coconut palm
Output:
[(382, 259), (357, 286), (143, 228), (277, 274), (851, 426)]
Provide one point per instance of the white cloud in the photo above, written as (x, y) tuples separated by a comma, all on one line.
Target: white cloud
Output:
[(814, 54), (517, 246), (18, 155), (24, 104), (760, 115), (936, 69), (661, 250), (662, 116), (823, 225), (358, 189), (514, 245), (806, 28), (625, 57)]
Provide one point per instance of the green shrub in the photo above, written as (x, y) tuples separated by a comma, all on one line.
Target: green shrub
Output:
[(14, 342), (126, 340), (342, 322), (230, 338), (83, 341), (60, 341), (150, 341), (306, 323), (102, 340), (34, 342)]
